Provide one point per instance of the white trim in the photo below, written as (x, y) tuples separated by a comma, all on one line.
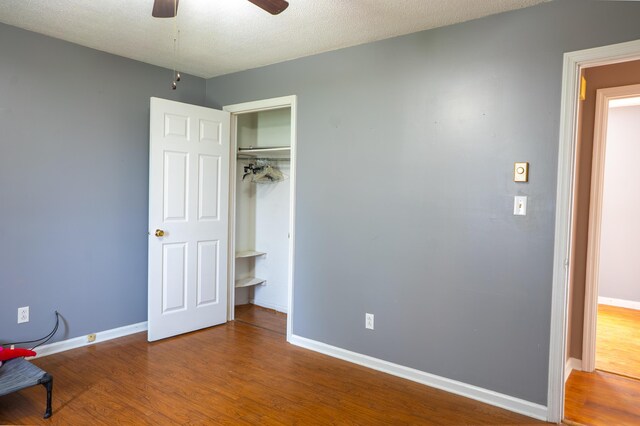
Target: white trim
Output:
[(292, 212), (620, 303), (262, 105), (594, 235), (255, 106), (78, 342), (572, 364), (231, 256), (573, 62), (459, 388), (562, 238)]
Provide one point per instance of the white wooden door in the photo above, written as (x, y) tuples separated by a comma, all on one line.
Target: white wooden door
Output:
[(188, 218)]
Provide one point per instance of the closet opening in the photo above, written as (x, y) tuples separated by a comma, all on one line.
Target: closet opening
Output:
[(262, 213)]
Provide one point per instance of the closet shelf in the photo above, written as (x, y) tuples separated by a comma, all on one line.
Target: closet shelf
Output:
[(249, 253), (248, 282), (277, 151)]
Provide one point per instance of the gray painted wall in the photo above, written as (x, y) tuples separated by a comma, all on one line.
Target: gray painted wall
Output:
[(73, 183), (405, 193)]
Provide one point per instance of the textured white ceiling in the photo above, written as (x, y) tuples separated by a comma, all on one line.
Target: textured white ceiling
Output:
[(223, 36)]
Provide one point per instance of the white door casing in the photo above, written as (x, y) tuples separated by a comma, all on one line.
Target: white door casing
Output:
[(189, 203), (573, 62), (255, 106)]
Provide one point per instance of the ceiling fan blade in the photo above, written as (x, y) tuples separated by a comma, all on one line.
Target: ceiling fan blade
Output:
[(165, 8), (274, 7)]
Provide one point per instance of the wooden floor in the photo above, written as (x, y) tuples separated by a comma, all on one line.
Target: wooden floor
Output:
[(601, 398), (262, 317), (234, 374), (618, 341)]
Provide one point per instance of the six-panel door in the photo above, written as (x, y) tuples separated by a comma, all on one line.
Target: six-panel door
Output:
[(188, 217)]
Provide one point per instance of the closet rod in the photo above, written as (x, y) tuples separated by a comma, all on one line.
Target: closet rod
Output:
[(254, 158), (265, 149)]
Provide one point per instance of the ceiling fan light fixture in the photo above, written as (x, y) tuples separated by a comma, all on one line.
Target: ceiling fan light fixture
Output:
[(169, 9)]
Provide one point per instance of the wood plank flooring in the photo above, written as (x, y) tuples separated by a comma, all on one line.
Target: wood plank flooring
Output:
[(262, 317), (601, 398), (618, 341), (234, 374)]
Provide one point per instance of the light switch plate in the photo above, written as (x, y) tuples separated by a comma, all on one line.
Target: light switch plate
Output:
[(521, 172), (520, 205)]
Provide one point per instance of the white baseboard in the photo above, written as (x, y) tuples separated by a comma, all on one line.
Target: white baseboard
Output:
[(572, 364), (459, 388), (621, 303), (78, 342), (275, 307)]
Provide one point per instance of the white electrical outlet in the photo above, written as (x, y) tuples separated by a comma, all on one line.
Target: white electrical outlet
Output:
[(368, 321), (23, 314)]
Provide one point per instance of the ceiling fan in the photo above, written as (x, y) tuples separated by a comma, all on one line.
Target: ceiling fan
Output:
[(169, 8)]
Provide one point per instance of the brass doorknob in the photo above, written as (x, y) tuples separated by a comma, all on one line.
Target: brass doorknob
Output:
[(159, 233)]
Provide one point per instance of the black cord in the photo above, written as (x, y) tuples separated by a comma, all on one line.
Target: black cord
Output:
[(45, 338), (55, 329)]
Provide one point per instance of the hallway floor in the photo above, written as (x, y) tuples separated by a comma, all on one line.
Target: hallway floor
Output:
[(610, 395), (618, 341), (601, 398)]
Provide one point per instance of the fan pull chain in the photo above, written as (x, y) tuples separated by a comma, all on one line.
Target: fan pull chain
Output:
[(178, 76), (175, 74), (174, 83)]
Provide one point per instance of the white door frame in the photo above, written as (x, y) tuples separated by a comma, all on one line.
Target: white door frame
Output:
[(573, 63), (595, 218), (243, 108)]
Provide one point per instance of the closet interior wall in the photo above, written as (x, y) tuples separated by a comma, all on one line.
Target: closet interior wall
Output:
[(262, 211)]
